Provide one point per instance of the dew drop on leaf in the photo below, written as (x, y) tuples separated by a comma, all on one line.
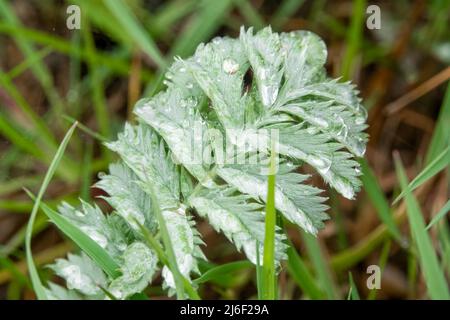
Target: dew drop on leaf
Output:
[(341, 129), (360, 147), (344, 188), (321, 163), (361, 117), (230, 66)]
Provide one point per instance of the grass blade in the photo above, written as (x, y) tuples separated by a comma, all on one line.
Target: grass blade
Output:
[(98, 98), (223, 269), (129, 22), (444, 210), (89, 246), (384, 255), (268, 267), (301, 274), (250, 14), (321, 267), (441, 136), (444, 237), (284, 12), (434, 277), (439, 163), (202, 26), (162, 256), (36, 281), (353, 292), (379, 201), (118, 64), (38, 68), (169, 252), (353, 38)]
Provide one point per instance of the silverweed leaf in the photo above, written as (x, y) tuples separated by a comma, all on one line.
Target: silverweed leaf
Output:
[(262, 82)]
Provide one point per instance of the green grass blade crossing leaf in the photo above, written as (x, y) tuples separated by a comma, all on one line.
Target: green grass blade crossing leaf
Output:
[(268, 268), (89, 246), (37, 284)]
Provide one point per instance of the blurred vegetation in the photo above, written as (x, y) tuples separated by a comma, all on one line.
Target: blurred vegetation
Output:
[(50, 76)]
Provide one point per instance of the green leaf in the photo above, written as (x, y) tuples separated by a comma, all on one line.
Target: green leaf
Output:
[(444, 210), (37, 284), (89, 246), (105, 230), (56, 292), (144, 152), (126, 196), (125, 17), (81, 274), (138, 268), (379, 201), (434, 276), (441, 161), (240, 219), (171, 160), (440, 139), (185, 240), (324, 275), (353, 292), (269, 282), (221, 270), (301, 275), (182, 128), (298, 202)]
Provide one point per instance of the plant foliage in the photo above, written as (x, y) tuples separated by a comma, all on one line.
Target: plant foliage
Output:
[(259, 82)]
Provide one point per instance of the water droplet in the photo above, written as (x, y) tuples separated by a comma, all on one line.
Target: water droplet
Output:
[(262, 73), (312, 130), (189, 85), (321, 163), (117, 293), (190, 102), (230, 66), (343, 188), (359, 120), (362, 110), (361, 116), (182, 70), (169, 76), (166, 83), (357, 170), (359, 147), (268, 94), (340, 128), (321, 122)]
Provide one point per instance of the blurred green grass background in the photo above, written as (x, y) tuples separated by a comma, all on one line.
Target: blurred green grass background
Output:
[(51, 76)]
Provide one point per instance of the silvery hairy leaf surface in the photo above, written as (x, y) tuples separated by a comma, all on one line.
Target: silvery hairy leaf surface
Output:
[(260, 82)]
